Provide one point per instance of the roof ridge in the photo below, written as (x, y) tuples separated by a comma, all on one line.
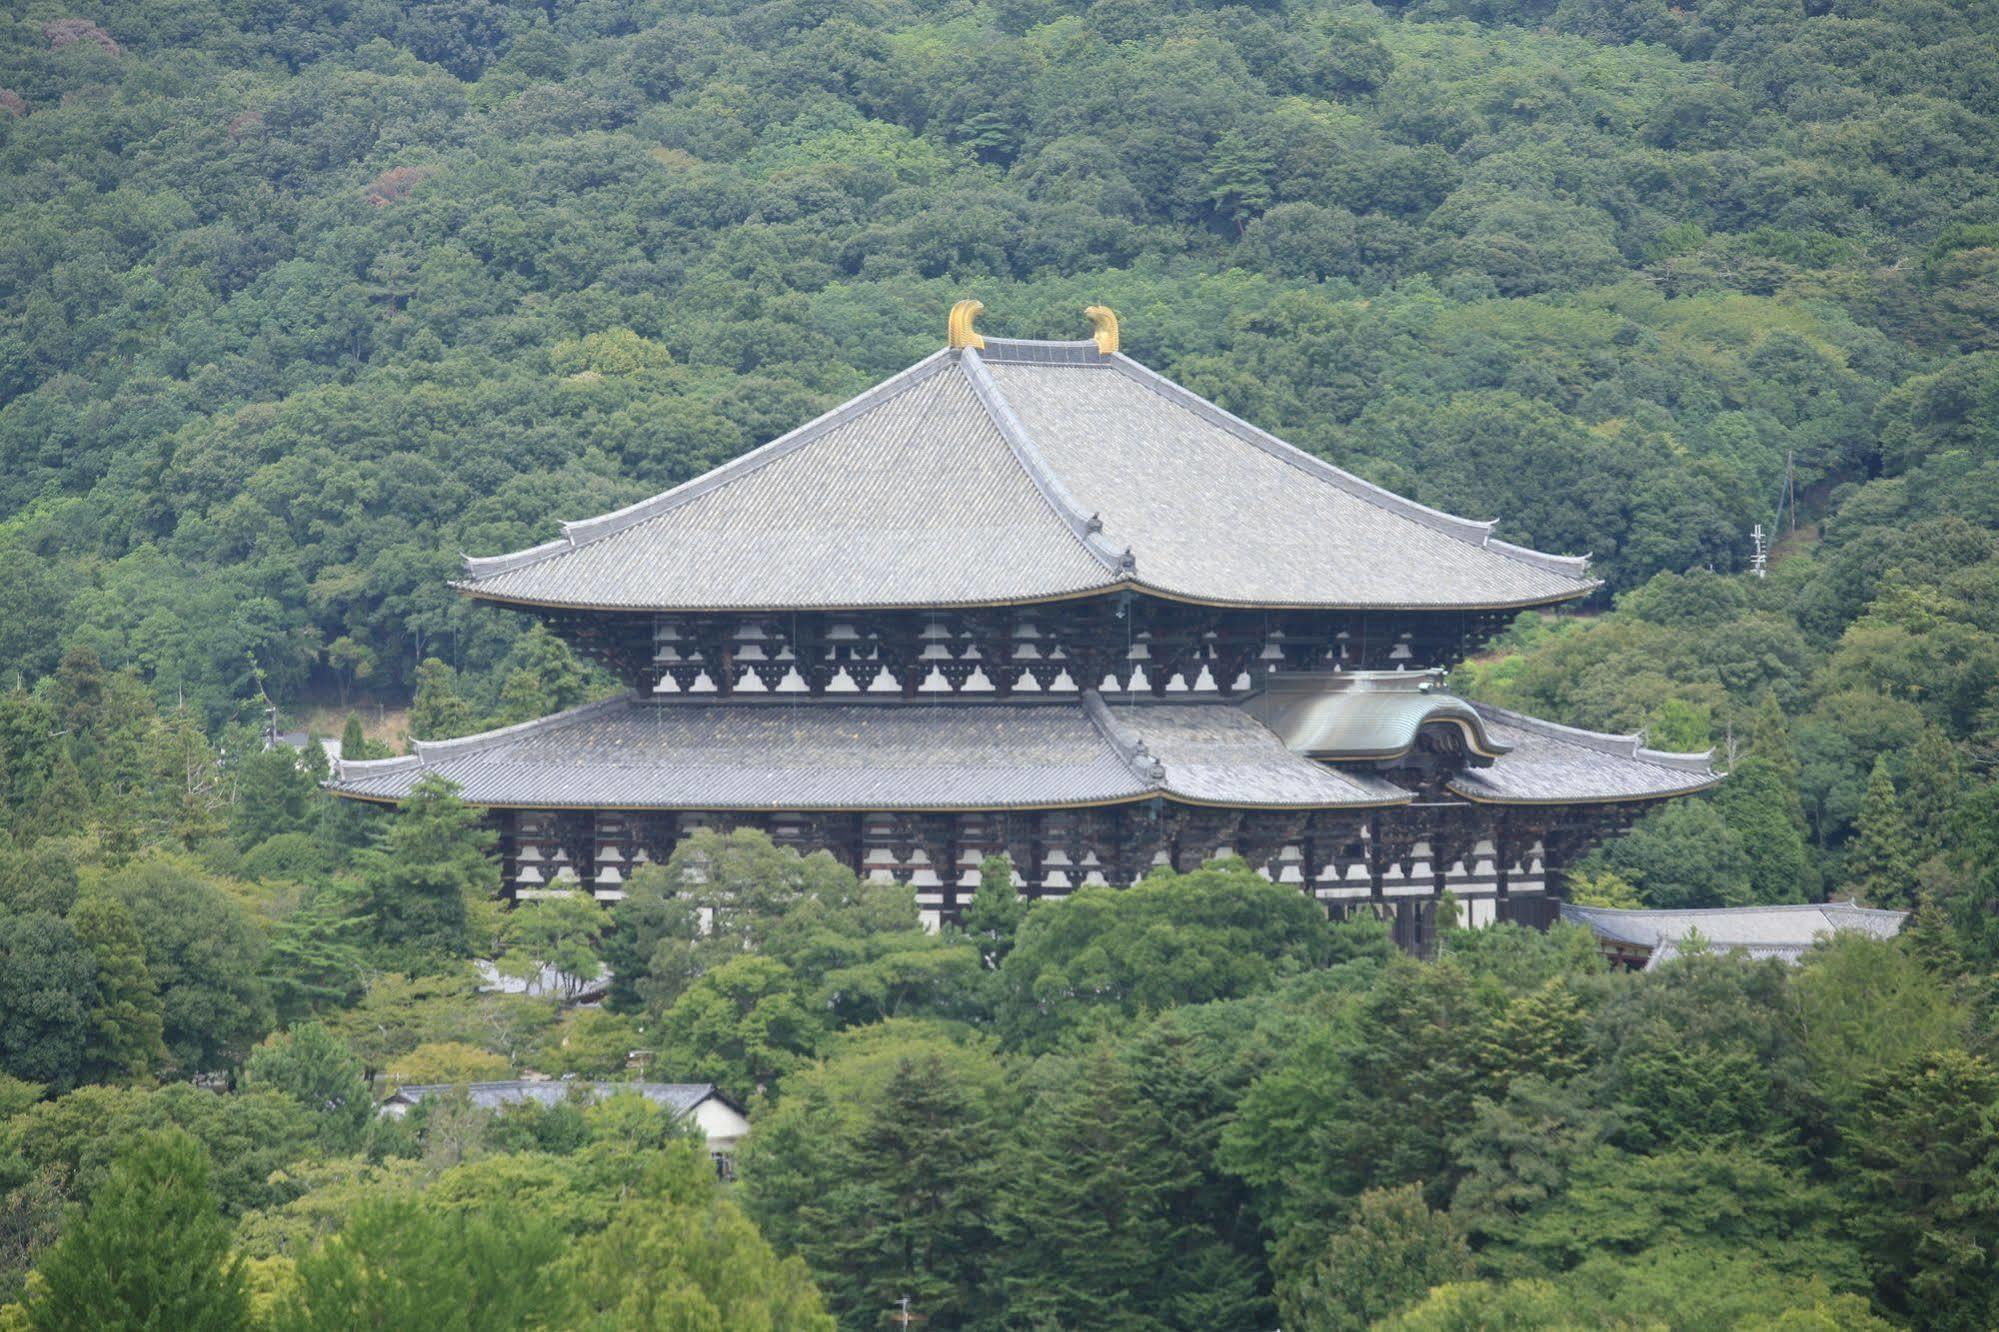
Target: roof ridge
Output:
[(1471, 531), (582, 532), (1629, 746), (1131, 750), (1088, 528)]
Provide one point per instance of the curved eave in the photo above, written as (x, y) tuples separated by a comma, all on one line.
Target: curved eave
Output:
[(334, 789), (1636, 799), (472, 589)]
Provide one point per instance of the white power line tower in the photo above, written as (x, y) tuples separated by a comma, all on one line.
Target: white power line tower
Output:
[(1759, 559)]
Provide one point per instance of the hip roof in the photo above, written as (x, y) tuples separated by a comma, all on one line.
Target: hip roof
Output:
[(1031, 471)]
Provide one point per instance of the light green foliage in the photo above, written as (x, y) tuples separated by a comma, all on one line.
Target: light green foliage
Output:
[(313, 1067), (438, 712), (742, 1025), (403, 1264), (250, 1137), (558, 933), (1393, 1253), (151, 1251), (1865, 1006), (1664, 1288)]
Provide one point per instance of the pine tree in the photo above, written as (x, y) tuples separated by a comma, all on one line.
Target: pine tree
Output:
[(187, 781), (353, 744), (1770, 743), (992, 918), (438, 712), (151, 1252), (64, 806), (1762, 809), (433, 864), (126, 1019), (911, 1214), (1082, 1218), (1881, 866), (1932, 786), (315, 1068)]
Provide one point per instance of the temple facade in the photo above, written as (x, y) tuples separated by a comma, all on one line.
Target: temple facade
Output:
[(1031, 598)]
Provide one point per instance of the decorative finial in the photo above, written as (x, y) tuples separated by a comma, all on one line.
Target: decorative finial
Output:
[(1105, 319), (962, 334)]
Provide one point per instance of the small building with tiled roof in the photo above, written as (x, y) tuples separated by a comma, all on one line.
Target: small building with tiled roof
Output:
[(1644, 939), (1034, 599), (720, 1120)]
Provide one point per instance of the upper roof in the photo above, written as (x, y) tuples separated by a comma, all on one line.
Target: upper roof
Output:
[(776, 754), (1029, 471), (1759, 931)]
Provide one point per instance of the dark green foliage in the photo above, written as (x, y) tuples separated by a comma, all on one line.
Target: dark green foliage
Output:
[(1921, 1174), (206, 955), (150, 1251), (127, 1018), (432, 862), (879, 1170), (1881, 866), (48, 989), (1103, 955)]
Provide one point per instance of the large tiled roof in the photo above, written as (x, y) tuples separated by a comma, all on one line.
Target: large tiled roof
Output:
[(814, 754), (1032, 471), (1551, 764), (1757, 931)]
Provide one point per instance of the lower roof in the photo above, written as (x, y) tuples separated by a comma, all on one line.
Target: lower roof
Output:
[(779, 754), (1771, 929), (1547, 763)]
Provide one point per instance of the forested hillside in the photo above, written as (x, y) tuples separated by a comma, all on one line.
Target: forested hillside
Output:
[(298, 301)]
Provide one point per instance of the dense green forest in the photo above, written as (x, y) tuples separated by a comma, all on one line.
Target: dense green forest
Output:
[(300, 300)]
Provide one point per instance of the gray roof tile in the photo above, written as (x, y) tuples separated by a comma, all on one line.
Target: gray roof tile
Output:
[(1019, 754), (1551, 764), (1785, 931), (1031, 472)]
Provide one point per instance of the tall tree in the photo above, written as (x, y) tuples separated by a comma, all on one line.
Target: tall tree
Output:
[(431, 866), (439, 711), (150, 1252), (1921, 1173), (1932, 786), (127, 1019), (1881, 866)]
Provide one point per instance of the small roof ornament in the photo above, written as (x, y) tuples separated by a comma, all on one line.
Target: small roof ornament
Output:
[(961, 334), (1105, 319)]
